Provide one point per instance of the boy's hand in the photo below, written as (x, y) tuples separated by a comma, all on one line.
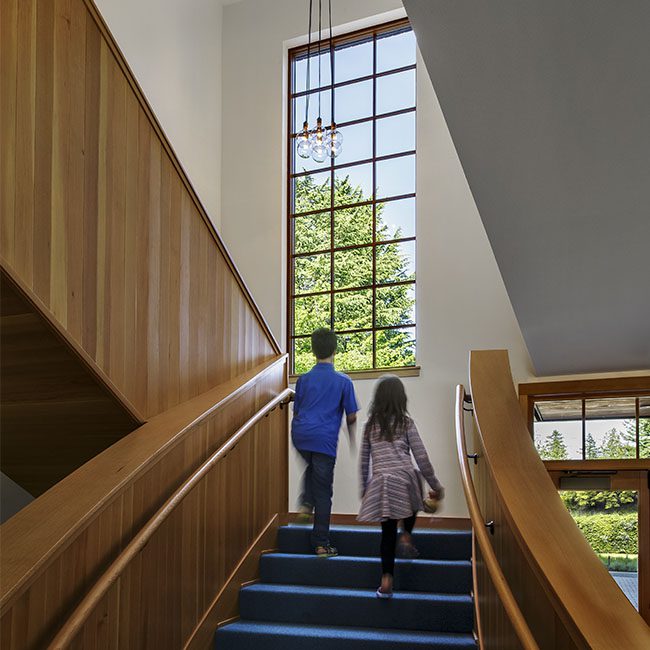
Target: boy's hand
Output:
[(351, 421), (353, 442)]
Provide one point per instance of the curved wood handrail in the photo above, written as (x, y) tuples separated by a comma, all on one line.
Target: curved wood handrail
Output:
[(58, 516), (592, 608), (480, 535), (74, 623)]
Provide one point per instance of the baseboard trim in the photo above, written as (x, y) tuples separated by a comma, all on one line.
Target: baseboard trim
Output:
[(225, 606), (423, 521)]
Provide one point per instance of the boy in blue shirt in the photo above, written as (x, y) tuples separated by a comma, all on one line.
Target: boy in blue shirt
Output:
[(322, 395)]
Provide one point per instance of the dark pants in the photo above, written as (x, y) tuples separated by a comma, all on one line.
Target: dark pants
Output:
[(317, 493), (389, 541)]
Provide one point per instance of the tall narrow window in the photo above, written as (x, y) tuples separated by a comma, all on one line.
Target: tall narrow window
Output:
[(352, 218)]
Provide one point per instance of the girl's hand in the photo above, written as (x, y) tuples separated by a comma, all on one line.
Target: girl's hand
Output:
[(438, 493)]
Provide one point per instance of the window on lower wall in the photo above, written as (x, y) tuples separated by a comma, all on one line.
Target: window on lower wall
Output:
[(352, 218), (592, 428)]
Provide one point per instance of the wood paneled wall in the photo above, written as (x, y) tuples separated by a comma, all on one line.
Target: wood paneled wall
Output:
[(541, 617), (100, 222), (162, 597), (54, 413)]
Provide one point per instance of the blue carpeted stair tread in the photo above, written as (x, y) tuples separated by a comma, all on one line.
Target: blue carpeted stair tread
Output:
[(326, 604), (247, 635), (356, 607), (362, 541), (443, 576)]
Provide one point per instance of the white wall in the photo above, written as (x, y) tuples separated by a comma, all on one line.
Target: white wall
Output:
[(461, 301), (174, 50)]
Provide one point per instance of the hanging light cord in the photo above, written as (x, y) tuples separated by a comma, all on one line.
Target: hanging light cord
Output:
[(319, 57), (308, 65), (331, 67)]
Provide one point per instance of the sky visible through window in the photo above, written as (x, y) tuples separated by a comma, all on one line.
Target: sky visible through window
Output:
[(609, 425), (572, 432), (352, 218)]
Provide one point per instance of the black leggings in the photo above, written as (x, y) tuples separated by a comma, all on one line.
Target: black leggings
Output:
[(389, 541)]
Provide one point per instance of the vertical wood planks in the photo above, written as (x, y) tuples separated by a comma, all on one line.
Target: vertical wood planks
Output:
[(98, 221), (61, 181), (25, 121), (8, 64)]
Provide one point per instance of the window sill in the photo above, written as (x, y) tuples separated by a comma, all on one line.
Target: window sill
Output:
[(407, 371)]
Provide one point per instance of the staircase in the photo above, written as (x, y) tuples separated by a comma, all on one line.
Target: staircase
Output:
[(305, 601)]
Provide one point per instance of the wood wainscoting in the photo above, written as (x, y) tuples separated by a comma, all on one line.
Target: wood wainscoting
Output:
[(55, 549), (100, 222)]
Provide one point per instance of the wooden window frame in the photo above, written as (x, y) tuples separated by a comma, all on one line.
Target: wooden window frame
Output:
[(369, 34), (585, 389), (623, 473)]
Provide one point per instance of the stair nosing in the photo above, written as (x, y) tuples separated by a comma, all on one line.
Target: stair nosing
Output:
[(316, 590), (367, 558), (299, 627)]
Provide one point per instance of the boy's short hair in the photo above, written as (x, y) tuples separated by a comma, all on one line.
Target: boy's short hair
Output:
[(323, 343)]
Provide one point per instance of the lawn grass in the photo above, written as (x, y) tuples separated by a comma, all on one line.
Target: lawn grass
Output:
[(620, 561)]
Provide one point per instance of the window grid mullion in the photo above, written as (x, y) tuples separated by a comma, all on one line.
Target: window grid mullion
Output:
[(357, 163), (351, 247), (347, 206), (374, 200), (360, 330), (356, 80), (363, 120), (372, 204), (365, 287), (637, 408)]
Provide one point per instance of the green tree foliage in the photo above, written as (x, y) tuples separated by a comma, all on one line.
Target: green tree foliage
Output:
[(591, 448), (613, 533), (617, 444), (553, 447), (586, 501), (644, 435), (352, 270)]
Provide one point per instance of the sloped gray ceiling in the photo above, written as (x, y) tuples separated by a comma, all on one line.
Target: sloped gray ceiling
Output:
[(548, 104)]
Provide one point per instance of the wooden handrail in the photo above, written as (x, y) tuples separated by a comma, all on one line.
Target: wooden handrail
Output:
[(47, 525), (74, 623), (591, 611), (480, 535)]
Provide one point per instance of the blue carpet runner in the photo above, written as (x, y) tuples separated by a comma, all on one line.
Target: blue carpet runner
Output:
[(304, 601)]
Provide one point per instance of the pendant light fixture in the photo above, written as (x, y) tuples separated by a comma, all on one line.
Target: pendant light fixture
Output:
[(320, 142)]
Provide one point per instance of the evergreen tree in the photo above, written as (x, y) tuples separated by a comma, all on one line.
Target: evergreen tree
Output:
[(352, 268), (644, 435), (591, 448), (618, 445), (553, 447)]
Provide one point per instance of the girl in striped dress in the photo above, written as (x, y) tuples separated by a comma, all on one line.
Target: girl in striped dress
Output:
[(393, 492)]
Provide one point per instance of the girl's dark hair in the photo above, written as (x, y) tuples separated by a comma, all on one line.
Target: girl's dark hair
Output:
[(388, 408)]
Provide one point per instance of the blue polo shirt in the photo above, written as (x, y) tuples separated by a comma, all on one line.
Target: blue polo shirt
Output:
[(322, 395)]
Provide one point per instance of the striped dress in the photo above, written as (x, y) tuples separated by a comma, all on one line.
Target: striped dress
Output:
[(394, 490)]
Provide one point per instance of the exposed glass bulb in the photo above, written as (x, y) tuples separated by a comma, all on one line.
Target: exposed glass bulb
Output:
[(317, 137), (336, 135), (335, 143), (304, 147), (319, 151)]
